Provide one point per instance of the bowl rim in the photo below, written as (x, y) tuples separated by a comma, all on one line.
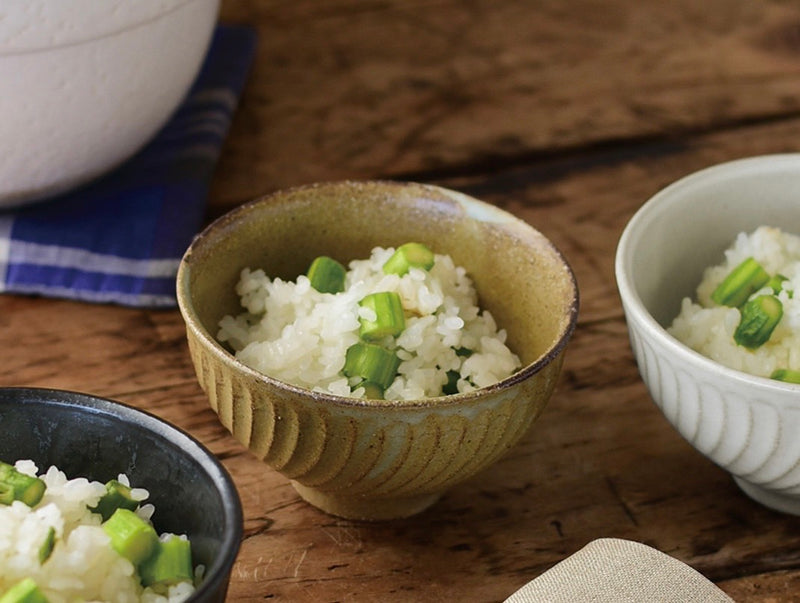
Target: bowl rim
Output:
[(482, 208), (140, 17), (217, 574), (648, 212)]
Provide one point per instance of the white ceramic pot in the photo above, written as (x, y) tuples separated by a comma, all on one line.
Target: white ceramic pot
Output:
[(84, 84)]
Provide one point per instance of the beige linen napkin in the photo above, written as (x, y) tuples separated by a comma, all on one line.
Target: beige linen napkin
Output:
[(619, 571)]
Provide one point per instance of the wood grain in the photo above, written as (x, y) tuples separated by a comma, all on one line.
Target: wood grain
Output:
[(569, 115), (412, 89)]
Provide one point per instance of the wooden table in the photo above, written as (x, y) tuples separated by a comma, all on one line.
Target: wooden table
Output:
[(569, 114)]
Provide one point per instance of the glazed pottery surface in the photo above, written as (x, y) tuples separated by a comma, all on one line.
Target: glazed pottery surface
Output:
[(743, 423), (95, 438), (378, 459), (85, 84)]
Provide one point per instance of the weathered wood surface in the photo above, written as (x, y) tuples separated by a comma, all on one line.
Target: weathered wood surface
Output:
[(414, 88), (567, 114)]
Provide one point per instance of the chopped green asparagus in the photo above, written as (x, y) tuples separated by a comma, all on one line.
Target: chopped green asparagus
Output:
[(371, 363), (747, 278), (24, 591), (47, 546), (131, 536), (389, 317), (117, 496), (25, 488), (409, 255), (776, 283), (451, 387), (6, 494), (372, 391), (759, 318), (170, 563), (787, 375), (326, 275)]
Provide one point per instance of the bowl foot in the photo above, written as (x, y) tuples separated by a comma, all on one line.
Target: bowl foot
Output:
[(366, 508), (769, 498)]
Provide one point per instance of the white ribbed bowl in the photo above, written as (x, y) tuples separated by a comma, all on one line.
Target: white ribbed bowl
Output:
[(84, 84), (745, 424)]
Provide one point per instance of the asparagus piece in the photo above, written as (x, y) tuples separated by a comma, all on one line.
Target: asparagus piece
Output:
[(117, 496), (786, 375), (744, 280), (170, 563), (389, 317), (15, 485), (131, 536), (24, 591), (47, 546), (372, 363), (760, 316), (326, 275), (409, 255)]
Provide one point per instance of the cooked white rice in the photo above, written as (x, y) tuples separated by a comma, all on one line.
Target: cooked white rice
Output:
[(298, 335), (708, 328), (82, 566)]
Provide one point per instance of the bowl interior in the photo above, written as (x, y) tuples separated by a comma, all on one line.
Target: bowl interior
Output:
[(98, 439), (687, 226), (520, 277)]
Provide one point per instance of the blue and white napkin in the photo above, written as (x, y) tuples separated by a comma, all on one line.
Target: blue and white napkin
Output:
[(119, 239)]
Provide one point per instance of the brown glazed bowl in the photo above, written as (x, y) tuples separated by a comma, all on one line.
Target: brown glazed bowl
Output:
[(377, 460)]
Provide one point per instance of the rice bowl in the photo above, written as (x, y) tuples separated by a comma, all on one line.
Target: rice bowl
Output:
[(742, 422), (99, 439), (378, 459)]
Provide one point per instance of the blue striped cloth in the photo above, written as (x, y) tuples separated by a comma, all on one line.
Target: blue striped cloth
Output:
[(120, 238)]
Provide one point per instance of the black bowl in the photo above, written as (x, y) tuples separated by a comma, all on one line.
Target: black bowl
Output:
[(86, 436)]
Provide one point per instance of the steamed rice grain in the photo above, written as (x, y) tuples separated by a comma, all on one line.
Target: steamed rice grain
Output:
[(708, 328), (82, 565), (294, 333)]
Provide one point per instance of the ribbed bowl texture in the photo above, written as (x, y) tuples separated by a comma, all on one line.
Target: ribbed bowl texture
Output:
[(378, 460), (745, 424)]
